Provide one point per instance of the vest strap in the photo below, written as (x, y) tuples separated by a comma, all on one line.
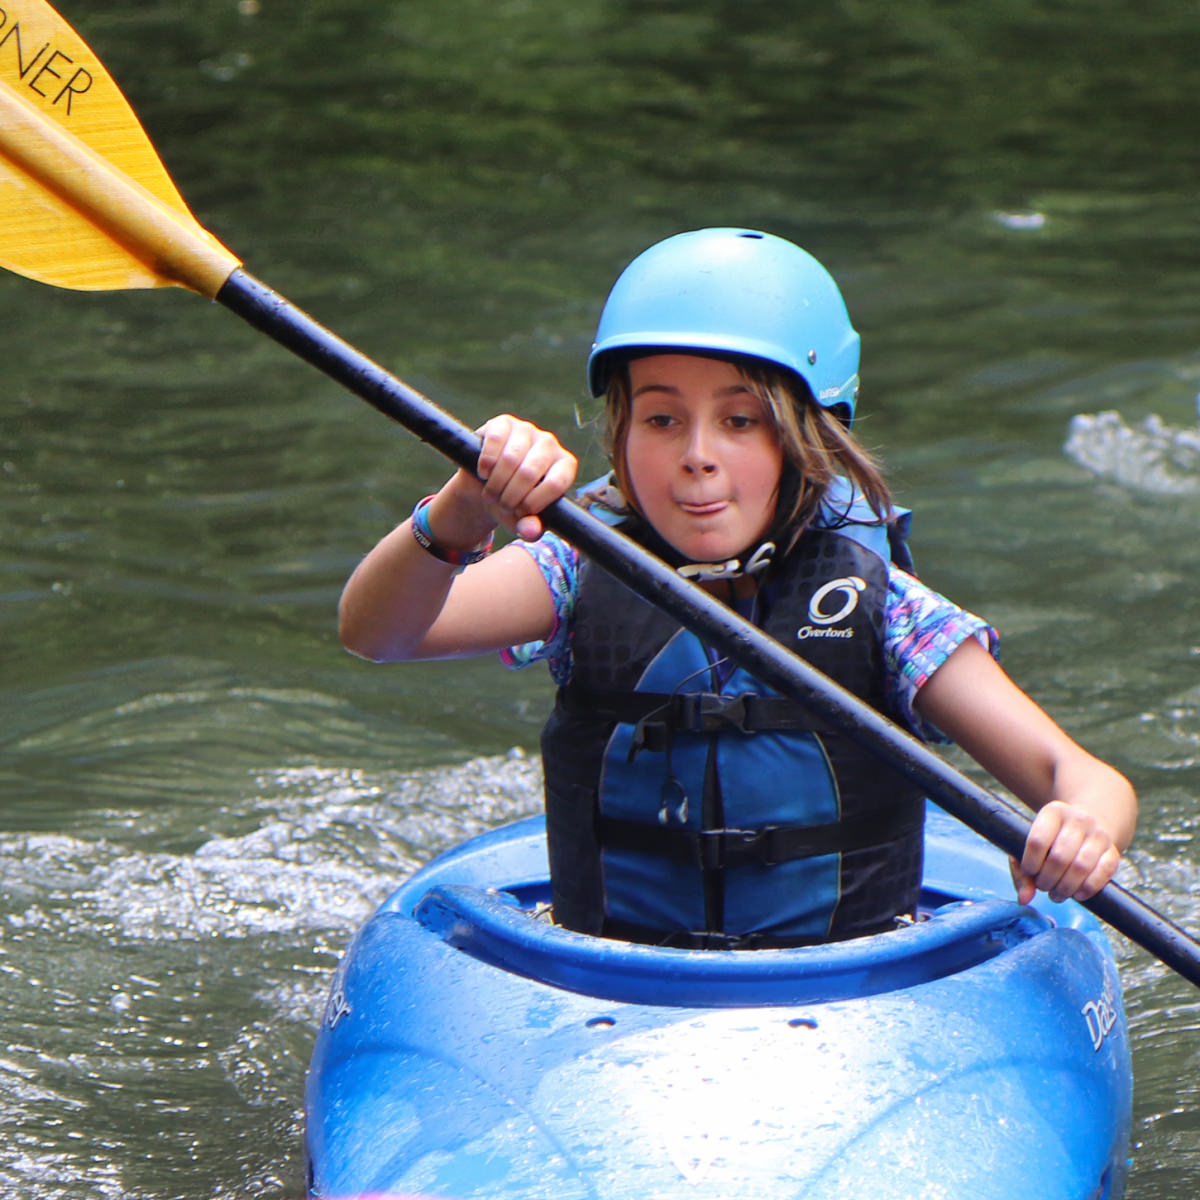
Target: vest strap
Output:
[(693, 712), (717, 849)]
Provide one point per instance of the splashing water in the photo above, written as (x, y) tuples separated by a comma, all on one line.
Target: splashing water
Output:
[(160, 1002), (1150, 457)]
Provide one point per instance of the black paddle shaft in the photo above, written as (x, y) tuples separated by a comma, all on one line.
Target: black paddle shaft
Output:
[(765, 658)]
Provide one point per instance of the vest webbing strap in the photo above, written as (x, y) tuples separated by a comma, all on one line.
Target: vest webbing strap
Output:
[(693, 712), (716, 849)]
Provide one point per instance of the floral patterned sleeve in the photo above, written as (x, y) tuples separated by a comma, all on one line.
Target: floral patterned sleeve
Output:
[(559, 565), (923, 630)]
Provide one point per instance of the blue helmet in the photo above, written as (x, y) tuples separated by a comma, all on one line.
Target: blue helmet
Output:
[(733, 291)]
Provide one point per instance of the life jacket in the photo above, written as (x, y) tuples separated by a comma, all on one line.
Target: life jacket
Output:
[(688, 804)]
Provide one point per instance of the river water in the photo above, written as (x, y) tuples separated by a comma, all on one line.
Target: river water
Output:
[(202, 796)]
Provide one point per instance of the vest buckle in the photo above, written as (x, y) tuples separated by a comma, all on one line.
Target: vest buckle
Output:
[(707, 712), (717, 849)]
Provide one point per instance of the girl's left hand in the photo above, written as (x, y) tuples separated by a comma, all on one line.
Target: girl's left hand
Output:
[(1067, 854), (1086, 810)]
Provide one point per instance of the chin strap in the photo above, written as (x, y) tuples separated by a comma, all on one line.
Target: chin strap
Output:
[(731, 568), (605, 500)]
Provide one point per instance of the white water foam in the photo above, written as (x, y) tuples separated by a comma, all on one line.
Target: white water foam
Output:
[(1151, 457), (330, 844)]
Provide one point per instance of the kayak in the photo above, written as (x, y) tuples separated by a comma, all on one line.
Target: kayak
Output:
[(470, 1048)]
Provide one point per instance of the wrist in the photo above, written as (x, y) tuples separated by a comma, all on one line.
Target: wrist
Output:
[(432, 545)]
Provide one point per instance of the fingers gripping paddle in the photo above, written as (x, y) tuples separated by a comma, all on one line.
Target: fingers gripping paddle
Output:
[(85, 203)]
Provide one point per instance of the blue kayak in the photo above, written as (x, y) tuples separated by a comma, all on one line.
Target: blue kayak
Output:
[(471, 1050)]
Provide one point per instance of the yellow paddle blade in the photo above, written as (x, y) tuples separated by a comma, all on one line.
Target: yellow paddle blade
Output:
[(84, 200)]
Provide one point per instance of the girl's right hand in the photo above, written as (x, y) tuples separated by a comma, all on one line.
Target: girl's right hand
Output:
[(524, 469)]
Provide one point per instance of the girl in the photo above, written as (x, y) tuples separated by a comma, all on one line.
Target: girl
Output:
[(686, 803)]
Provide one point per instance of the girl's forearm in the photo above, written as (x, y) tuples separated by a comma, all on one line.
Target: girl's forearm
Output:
[(393, 598)]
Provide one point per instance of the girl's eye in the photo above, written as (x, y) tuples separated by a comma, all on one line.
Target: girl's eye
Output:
[(742, 421), (658, 420)]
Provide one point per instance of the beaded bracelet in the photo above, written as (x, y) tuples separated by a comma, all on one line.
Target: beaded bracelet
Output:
[(425, 539)]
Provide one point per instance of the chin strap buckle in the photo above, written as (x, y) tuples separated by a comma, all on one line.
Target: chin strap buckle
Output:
[(731, 568), (760, 560), (703, 572)]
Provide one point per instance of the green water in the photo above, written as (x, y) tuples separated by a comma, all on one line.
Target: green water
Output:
[(201, 796)]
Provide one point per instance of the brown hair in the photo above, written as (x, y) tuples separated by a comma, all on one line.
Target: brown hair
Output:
[(817, 446)]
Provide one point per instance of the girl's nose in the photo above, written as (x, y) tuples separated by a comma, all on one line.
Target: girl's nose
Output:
[(697, 459)]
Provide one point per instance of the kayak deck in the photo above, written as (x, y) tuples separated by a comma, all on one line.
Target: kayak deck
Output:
[(469, 1050)]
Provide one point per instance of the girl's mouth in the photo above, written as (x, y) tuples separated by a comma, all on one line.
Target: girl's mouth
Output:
[(702, 508)]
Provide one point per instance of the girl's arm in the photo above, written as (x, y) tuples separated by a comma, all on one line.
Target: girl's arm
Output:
[(1086, 811), (402, 602)]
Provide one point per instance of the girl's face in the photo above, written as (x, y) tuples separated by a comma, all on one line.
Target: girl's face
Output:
[(702, 455)]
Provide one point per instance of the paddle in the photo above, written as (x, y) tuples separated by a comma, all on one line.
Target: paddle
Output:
[(85, 203)]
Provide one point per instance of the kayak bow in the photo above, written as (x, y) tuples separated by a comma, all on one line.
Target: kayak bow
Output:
[(471, 1050)]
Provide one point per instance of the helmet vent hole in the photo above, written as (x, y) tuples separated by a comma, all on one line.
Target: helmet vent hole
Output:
[(756, 236)]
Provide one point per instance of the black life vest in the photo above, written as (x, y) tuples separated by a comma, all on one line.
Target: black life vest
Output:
[(688, 804)]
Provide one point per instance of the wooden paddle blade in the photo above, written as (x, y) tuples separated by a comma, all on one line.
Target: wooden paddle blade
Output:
[(85, 201)]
